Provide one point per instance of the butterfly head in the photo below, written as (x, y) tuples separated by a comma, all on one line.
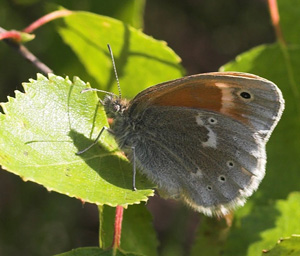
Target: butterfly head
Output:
[(114, 106)]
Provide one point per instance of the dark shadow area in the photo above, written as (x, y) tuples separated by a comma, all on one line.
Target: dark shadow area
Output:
[(37, 222), (107, 164)]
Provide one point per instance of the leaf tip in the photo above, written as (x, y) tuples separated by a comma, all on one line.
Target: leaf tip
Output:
[(40, 76)]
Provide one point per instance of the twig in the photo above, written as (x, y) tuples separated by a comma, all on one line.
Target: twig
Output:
[(15, 35), (276, 20), (45, 19), (12, 38), (275, 17), (21, 49)]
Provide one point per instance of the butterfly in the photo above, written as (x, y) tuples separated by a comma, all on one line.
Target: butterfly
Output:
[(200, 138)]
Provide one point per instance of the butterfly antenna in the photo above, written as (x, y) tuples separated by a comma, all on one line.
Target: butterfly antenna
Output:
[(115, 69), (97, 90)]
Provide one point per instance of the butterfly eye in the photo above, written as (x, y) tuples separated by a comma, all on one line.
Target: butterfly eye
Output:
[(117, 107), (209, 188), (230, 164)]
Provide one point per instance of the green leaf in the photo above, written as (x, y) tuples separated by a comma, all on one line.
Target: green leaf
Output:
[(138, 235), (252, 233), (137, 13), (262, 228), (285, 216), (93, 251), (285, 247), (43, 128), (141, 61), (129, 11)]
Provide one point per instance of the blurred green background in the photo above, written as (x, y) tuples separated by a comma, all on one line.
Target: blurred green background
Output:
[(204, 33)]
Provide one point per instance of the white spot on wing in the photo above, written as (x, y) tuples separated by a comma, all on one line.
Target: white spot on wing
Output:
[(198, 174), (212, 141), (199, 120), (212, 137)]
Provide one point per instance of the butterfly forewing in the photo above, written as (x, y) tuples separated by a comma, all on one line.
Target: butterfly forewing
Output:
[(252, 100)]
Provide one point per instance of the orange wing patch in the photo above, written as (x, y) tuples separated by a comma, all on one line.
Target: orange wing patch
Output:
[(214, 96), (190, 94)]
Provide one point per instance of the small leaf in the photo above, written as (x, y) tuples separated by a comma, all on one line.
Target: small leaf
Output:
[(43, 128), (285, 247), (26, 37)]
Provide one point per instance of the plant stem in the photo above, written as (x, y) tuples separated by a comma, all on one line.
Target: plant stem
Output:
[(12, 39), (275, 20), (45, 19), (10, 34), (21, 49), (118, 227), (285, 50)]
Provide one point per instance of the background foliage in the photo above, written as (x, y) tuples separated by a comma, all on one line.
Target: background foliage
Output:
[(206, 34)]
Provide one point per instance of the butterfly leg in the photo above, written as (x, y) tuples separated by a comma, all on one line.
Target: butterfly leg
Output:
[(94, 142), (133, 169)]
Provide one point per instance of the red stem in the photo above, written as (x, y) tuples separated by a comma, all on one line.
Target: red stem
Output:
[(13, 38), (45, 19), (118, 227), (15, 35), (276, 20)]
